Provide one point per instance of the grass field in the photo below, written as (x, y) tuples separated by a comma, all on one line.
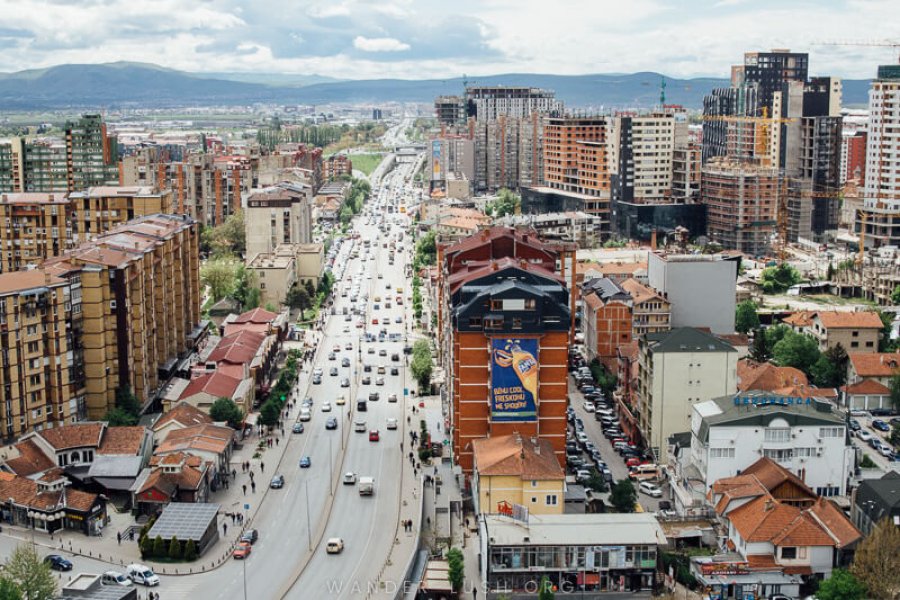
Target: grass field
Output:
[(365, 162)]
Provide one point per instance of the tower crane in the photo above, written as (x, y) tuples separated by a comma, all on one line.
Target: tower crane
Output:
[(870, 43)]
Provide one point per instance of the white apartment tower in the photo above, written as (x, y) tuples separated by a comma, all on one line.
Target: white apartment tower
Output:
[(882, 191)]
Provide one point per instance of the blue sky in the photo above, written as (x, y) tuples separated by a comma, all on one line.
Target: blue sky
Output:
[(356, 39)]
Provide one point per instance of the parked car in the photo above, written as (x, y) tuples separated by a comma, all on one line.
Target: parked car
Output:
[(880, 425), (588, 406), (142, 574), (864, 435), (855, 426), (645, 487), (58, 563), (374, 436)]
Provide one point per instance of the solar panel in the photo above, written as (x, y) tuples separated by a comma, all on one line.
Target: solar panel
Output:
[(186, 521)]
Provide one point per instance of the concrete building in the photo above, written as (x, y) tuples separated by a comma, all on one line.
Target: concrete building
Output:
[(509, 470), (606, 320), (802, 434), (876, 500), (450, 157), (650, 311), (855, 331), (595, 554), (853, 157), (281, 214), (337, 165), (882, 185), (276, 273), (677, 370), (641, 153), (678, 277), (576, 227), (508, 152), (489, 103), (97, 210), (450, 110)]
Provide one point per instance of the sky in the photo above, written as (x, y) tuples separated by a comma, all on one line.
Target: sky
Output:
[(434, 39)]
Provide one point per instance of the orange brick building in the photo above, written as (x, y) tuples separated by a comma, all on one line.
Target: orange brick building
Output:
[(607, 320)]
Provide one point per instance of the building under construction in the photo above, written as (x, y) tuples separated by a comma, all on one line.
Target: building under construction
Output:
[(508, 152), (742, 204)]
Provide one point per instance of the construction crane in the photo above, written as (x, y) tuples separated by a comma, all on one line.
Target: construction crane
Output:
[(781, 216), (761, 126), (870, 43)]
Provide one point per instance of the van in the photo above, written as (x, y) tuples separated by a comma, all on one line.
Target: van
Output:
[(115, 578), (645, 473), (142, 574), (334, 546), (305, 414), (359, 426), (650, 489)]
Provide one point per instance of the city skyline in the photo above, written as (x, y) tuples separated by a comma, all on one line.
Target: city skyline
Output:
[(357, 39)]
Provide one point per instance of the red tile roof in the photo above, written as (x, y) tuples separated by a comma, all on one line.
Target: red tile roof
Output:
[(209, 438), (875, 364), (215, 384), (123, 440), (834, 319), (24, 492), (766, 376), (771, 475), (238, 348), (185, 414), (869, 387), (31, 459), (801, 318), (76, 435), (762, 519), (479, 269), (835, 522), (257, 315), (511, 455)]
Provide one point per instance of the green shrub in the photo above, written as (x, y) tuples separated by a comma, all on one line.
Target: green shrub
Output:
[(175, 549), (190, 550), (159, 547)]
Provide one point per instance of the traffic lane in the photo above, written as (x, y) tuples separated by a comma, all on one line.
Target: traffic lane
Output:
[(614, 461)]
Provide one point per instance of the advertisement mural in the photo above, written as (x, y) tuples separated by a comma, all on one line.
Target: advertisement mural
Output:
[(514, 379), (436, 159)]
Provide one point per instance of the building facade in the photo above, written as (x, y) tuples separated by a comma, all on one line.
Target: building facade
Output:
[(281, 214), (677, 278)]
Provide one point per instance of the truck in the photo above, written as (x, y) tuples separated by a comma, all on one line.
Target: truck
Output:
[(366, 486)]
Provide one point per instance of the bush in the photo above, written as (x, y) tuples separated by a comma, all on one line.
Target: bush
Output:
[(424, 454), (190, 550), (146, 546), (175, 552), (159, 547)]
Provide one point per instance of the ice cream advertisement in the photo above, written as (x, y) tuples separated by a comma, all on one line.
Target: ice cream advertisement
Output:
[(514, 379)]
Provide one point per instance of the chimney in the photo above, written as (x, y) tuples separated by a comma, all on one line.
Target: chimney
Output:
[(770, 505), (537, 446), (46, 277), (653, 240)]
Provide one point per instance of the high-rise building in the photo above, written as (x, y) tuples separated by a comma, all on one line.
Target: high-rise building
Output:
[(92, 155), (450, 158), (281, 214), (488, 103), (641, 157), (882, 188), (507, 152), (450, 110), (853, 157)]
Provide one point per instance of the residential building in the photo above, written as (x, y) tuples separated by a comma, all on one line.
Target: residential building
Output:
[(867, 394), (507, 153), (781, 538), (48, 505), (876, 500), (33, 226), (767, 377), (451, 157), (857, 331), (853, 157), (677, 370), (650, 311), (606, 320), (179, 416), (337, 165), (882, 186), (176, 477), (281, 214), (97, 210), (450, 110), (678, 277), (510, 470), (276, 274), (42, 372), (212, 443), (877, 366), (309, 261), (204, 390), (575, 227), (641, 152), (801, 433), (91, 154), (489, 103), (591, 553), (140, 305)]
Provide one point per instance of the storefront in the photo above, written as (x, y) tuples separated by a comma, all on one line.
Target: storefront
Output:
[(49, 507)]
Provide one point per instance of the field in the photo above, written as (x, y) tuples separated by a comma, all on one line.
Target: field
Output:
[(365, 162)]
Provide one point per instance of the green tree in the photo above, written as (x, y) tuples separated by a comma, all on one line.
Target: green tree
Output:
[(885, 343), (219, 275), (225, 409), (159, 547), (824, 372), (545, 591), (117, 417), (270, 412), (146, 545), (866, 462), (760, 350), (746, 317), (326, 284), (779, 278), (596, 483), (876, 563), (309, 287), (127, 401), (796, 350), (9, 590), (190, 550), (895, 296), (426, 251), (506, 203), (31, 575), (775, 334), (298, 297), (246, 290), (829, 274), (175, 552), (229, 238), (421, 364), (894, 386), (837, 357), (456, 568), (623, 496), (842, 585)]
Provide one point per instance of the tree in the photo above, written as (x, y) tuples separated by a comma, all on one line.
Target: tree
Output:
[(895, 296), (796, 350), (175, 548), (775, 334), (9, 590), (245, 289), (159, 547), (760, 350), (326, 284), (745, 316), (116, 417), (623, 496), (225, 409), (456, 568), (829, 274), (596, 482), (842, 585), (31, 575), (146, 545), (825, 373), (779, 278), (190, 550), (127, 401), (309, 287), (230, 237), (545, 591), (219, 275), (298, 297), (877, 561), (507, 203), (426, 251), (269, 413), (421, 365), (885, 342), (837, 356)]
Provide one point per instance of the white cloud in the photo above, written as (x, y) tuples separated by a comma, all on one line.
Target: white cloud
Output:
[(330, 9), (384, 44)]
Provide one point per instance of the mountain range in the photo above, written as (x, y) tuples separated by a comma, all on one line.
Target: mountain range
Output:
[(126, 84)]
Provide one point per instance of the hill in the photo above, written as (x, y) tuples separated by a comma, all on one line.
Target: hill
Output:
[(138, 84)]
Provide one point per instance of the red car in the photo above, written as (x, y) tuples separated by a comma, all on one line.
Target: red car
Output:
[(374, 321), (634, 462), (374, 436), (242, 551)]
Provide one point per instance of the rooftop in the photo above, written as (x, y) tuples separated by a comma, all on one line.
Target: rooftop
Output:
[(834, 319), (875, 364), (595, 529), (185, 414), (215, 384), (687, 339), (513, 455), (184, 520), (21, 281)]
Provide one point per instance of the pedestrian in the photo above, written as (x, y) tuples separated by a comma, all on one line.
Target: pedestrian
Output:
[(474, 593), (408, 419), (233, 518), (245, 488), (401, 447), (262, 467), (418, 465), (253, 486), (233, 474), (225, 528), (276, 439), (251, 475)]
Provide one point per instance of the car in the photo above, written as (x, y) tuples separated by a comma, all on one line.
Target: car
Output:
[(307, 402), (589, 406), (581, 436), (367, 368), (880, 425), (345, 382), (374, 396), (58, 563), (305, 462), (326, 406), (333, 371), (250, 536), (382, 352), (392, 423), (379, 381), (395, 371), (317, 379), (395, 357), (331, 423), (340, 400), (392, 398), (374, 435), (242, 551), (334, 545), (864, 435), (366, 380), (885, 450), (375, 321), (349, 478), (645, 487), (142, 574), (277, 482), (345, 362), (115, 578), (398, 318), (881, 412), (336, 348), (348, 346), (297, 428), (332, 356), (855, 426)]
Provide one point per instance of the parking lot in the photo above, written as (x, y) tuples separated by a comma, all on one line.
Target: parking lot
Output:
[(593, 437), (867, 436)]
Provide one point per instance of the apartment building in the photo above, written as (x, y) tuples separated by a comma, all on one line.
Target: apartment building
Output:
[(742, 203), (606, 321), (489, 103), (97, 210), (676, 370), (641, 152), (276, 274), (450, 156), (281, 214), (678, 277), (92, 154), (651, 312), (450, 110), (573, 226), (507, 152), (140, 304), (337, 165), (853, 157), (882, 179), (42, 361)]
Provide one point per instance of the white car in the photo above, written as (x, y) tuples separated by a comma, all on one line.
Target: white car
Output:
[(326, 406), (392, 423), (581, 437), (349, 478), (864, 435), (589, 406), (651, 490)]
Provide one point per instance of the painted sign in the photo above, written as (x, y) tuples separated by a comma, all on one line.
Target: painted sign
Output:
[(771, 400), (514, 379), (436, 160)]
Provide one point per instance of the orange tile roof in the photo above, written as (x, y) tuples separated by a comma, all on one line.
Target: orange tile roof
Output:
[(185, 414), (76, 435), (875, 364), (834, 319), (31, 459), (835, 522), (640, 292), (803, 531), (24, 492), (215, 384), (257, 315), (18, 281), (771, 475), (766, 376), (801, 318), (238, 348), (620, 268), (762, 519), (511, 455), (761, 562), (209, 438), (123, 440), (593, 301), (869, 387)]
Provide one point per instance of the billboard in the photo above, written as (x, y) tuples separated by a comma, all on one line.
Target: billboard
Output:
[(514, 379), (436, 160)]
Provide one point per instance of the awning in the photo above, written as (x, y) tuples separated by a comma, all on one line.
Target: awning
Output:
[(251, 419), (588, 578)]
